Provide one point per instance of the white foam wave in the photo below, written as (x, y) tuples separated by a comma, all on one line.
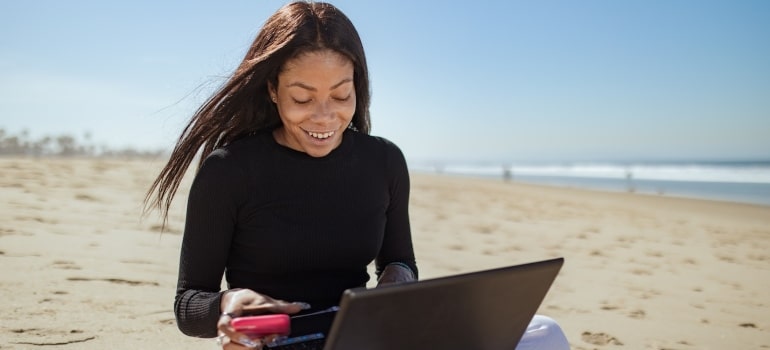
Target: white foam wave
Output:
[(665, 172)]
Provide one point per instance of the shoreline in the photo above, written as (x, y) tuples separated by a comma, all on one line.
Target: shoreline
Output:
[(739, 193)]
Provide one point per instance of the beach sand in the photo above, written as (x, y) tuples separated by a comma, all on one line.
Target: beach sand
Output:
[(82, 269)]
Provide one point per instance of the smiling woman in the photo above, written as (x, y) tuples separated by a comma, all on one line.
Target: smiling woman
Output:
[(315, 98), (288, 170)]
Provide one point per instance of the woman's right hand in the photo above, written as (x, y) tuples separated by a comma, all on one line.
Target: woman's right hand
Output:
[(242, 302)]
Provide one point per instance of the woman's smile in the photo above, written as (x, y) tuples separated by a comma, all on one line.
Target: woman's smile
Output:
[(321, 135)]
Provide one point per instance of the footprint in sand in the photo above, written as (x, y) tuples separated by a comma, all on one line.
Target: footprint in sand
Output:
[(167, 229), (86, 197), (65, 265), (56, 336), (727, 258), (654, 254), (597, 253), (690, 261), (32, 218), (6, 231), (456, 247), (485, 229), (600, 339), (637, 314), (760, 257), (646, 294), (113, 280), (641, 272)]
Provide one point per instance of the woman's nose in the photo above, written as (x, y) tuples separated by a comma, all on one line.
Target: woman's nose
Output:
[(323, 110)]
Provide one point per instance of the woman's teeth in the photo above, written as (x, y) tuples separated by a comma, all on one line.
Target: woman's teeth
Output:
[(321, 135)]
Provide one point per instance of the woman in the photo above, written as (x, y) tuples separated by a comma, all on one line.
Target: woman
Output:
[(292, 199)]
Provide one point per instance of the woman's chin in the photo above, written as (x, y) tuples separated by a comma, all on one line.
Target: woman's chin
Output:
[(317, 148)]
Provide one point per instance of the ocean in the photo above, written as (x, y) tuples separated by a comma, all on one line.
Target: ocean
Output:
[(743, 182)]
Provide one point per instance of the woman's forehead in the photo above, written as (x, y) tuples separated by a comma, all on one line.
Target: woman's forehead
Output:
[(315, 57)]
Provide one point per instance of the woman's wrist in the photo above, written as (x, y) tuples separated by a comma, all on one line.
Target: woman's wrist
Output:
[(396, 272), (405, 267), (225, 301)]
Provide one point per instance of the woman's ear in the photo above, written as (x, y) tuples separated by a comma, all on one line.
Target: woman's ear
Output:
[(273, 93)]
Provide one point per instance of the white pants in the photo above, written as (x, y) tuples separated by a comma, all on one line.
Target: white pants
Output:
[(543, 333)]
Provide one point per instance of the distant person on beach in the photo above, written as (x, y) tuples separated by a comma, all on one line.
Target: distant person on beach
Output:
[(292, 198)]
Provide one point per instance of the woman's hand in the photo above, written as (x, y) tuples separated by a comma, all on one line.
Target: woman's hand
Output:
[(241, 302), (395, 273)]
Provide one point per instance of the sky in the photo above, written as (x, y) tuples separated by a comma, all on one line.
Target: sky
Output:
[(501, 80)]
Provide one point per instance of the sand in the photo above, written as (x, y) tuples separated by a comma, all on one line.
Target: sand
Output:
[(82, 269)]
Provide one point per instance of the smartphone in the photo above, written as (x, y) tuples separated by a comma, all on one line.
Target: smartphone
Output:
[(262, 325)]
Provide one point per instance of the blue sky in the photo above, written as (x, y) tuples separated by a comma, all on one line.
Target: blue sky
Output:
[(481, 80)]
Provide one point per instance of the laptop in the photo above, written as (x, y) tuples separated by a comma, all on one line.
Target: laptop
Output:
[(481, 310)]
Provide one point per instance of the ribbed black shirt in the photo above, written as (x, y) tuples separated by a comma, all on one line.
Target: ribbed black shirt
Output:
[(289, 225)]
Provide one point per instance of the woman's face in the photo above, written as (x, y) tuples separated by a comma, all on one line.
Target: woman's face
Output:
[(316, 100)]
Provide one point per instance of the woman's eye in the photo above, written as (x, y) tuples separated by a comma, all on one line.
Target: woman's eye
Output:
[(301, 102), (342, 99)]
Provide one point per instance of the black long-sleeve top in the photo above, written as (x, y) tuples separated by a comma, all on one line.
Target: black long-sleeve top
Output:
[(290, 226)]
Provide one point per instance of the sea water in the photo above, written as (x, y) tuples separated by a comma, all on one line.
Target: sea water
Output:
[(745, 182)]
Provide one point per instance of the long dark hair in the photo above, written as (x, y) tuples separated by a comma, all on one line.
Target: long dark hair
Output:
[(242, 105)]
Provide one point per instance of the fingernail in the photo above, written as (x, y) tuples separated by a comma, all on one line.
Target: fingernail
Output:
[(274, 342), (303, 306), (248, 342)]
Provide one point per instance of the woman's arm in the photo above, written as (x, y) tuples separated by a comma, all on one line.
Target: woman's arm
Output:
[(395, 261), (209, 228)]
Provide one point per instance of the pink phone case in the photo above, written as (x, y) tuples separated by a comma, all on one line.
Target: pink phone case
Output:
[(262, 325)]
